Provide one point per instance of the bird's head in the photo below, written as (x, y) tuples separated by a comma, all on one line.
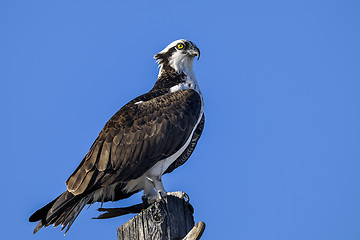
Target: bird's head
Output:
[(178, 55)]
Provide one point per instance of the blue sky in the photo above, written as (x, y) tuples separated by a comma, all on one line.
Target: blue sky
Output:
[(279, 156)]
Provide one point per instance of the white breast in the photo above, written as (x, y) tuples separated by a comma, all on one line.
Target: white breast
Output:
[(160, 167)]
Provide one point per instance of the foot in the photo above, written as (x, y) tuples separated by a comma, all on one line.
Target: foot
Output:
[(179, 194), (150, 199)]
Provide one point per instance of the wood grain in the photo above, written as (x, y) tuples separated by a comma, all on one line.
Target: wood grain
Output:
[(171, 218)]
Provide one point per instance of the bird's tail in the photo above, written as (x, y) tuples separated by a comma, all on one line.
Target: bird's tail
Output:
[(62, 211)]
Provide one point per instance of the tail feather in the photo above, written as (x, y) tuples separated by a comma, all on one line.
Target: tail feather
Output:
[(61, 211), (116, 212), (72, 215), (38, 215)]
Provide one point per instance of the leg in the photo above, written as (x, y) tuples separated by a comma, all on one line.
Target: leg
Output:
[(159, 187), (150, 195), (160, 191)]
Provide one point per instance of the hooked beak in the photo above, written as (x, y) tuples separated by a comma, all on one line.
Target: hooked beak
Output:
[(195, 51)]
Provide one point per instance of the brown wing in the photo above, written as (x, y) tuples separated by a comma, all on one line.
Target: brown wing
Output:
[(136, 138), (189, 149)]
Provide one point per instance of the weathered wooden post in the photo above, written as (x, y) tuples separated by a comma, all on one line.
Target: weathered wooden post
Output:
[(170, 219)]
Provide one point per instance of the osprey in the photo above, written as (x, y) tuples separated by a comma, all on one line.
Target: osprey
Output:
[(151, 135)]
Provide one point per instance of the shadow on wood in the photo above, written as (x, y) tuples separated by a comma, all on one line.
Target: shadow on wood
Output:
[(170, 219)]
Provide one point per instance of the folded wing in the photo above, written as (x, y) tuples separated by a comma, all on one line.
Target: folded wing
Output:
[(146, 130)]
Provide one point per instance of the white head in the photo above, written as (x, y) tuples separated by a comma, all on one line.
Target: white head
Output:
[(178, 55)]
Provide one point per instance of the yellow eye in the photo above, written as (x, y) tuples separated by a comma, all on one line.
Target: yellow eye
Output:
[(180, 46)]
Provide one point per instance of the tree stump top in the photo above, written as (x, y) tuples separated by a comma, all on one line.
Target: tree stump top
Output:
[(170, 219)]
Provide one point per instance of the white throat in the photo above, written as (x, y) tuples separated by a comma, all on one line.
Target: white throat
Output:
[(183, 64)]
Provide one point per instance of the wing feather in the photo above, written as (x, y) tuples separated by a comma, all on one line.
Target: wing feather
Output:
[(115, 150), (75, 180), (137, 151), (103, 162), (117, 139), (136, 137), (90, 163), (84, 184)]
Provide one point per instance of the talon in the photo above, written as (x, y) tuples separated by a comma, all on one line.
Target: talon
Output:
[(150, 180), (159, 195), (180, 194), (187, 198)]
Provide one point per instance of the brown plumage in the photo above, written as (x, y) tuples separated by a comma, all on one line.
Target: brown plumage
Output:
[(153, 127), (131, 139)]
